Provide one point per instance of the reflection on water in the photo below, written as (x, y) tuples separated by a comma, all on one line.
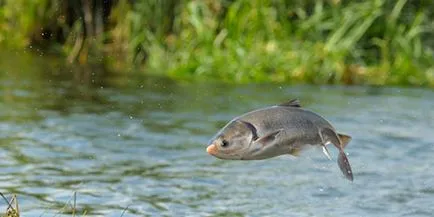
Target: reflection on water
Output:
[(138, 143)]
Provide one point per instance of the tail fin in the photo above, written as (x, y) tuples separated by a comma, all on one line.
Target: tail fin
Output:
[(345, 139), (340, 141), (344, 165), (343, 162)]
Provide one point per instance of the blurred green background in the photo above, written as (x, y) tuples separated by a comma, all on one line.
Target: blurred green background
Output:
[(375, 42)]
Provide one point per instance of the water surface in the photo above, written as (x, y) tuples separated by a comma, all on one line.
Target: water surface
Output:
[(137, 144)]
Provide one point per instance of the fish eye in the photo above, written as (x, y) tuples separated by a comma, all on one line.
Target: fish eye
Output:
[(224, 143)]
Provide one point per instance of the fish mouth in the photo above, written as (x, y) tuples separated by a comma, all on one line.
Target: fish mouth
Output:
[(212, 149)]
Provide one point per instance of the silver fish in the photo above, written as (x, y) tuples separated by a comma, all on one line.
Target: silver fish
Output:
[(277, 130)]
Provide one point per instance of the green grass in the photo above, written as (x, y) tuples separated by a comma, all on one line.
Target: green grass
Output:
[(376, 42), (70, 207)]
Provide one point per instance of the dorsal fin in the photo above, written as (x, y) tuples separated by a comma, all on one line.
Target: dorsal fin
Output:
[(292, 103)]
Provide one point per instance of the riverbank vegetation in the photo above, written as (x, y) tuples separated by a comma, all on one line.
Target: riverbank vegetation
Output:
[(376, 42), (70, 207)]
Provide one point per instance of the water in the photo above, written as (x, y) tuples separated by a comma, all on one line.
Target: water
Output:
[(137, 144)]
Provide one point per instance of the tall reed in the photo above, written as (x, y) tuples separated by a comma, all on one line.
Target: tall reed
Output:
[(353, 42)]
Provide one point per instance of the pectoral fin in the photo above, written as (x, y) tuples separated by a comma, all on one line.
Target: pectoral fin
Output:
[(269, 138), (295, 152)]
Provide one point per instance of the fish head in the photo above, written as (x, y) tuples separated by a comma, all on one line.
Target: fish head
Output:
[(232, 141)]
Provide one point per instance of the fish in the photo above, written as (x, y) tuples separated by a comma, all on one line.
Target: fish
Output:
[(281, 129)]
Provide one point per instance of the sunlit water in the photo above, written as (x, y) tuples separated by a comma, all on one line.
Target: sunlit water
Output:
[(137, 145)]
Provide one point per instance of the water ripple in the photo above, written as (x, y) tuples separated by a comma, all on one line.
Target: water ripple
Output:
[(143, 149)]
